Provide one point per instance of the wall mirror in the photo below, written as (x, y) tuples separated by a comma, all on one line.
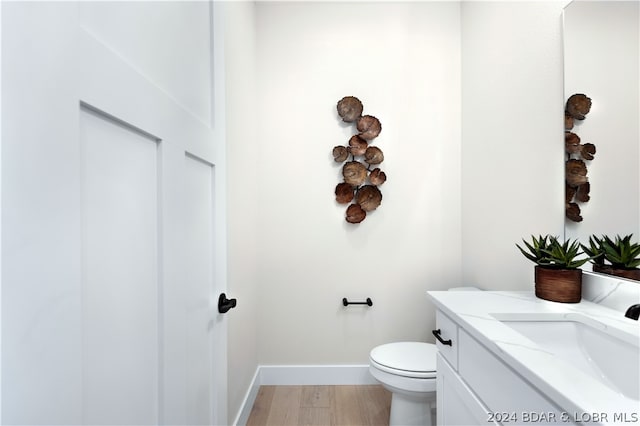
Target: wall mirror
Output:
[(601, 60)]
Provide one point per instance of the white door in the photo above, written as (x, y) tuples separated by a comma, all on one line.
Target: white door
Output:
[(112, 249)]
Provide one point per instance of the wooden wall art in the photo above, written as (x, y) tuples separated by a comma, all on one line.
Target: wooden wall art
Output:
[(360, 170), (577, 185)]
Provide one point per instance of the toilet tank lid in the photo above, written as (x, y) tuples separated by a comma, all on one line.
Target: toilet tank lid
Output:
[(406, 356)]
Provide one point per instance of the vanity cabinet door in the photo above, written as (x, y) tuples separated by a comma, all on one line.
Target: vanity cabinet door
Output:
[(509, 397), (456, 403)]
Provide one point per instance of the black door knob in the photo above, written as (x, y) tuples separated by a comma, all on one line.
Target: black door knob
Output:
[(225, 304)]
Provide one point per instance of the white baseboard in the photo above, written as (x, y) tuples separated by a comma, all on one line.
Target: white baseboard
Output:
[(316, 375), (283, 375), (249, 399)]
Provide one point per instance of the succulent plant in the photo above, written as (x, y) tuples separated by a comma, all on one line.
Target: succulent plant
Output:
[(564, 255), (536, 249), (620, 252), (547, 251), (594, 250)]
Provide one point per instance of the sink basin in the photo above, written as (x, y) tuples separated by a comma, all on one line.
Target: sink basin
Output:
[(610, 356)]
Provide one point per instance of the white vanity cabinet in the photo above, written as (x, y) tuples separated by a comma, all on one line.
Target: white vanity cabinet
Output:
[(474, 387), (456, 402)]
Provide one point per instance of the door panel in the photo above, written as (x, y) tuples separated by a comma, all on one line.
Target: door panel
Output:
[(181, 28), (119, 271), (198, 205)]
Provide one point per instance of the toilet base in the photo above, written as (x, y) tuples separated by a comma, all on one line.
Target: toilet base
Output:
[(411, 409)]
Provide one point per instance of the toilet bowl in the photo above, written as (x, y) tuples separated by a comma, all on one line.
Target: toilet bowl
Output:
[(408, 371)]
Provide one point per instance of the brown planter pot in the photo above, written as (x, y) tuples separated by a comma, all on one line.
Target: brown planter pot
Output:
[(559, 285), (632, 274)]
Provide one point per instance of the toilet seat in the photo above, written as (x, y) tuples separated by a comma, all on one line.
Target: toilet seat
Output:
[(407, 359)]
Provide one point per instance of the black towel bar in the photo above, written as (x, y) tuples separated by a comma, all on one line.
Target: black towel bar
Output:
[(345, 302)]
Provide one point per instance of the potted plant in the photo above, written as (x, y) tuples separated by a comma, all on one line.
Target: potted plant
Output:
[(595, 252), (558, 276), (614, 256)]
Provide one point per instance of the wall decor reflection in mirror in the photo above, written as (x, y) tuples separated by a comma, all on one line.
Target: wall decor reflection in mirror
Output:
[(577, 186), (602, 61)]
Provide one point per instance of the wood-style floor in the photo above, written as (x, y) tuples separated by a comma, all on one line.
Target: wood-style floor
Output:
[(321, 406)]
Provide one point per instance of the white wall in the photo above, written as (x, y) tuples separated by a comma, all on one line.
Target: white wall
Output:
[(403, 61), (469, 96), (242, 156), (512, 137), (602, 59)]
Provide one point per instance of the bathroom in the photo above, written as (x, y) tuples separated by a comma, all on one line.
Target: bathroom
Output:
[(470, 96)]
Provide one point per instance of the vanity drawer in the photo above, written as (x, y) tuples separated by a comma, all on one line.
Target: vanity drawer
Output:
[(456, 403), (499, 387), (447, 331)]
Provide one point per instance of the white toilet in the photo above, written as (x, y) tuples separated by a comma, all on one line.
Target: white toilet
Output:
[(408, 371)]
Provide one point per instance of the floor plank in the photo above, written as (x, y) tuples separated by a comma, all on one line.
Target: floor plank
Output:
[(261, 406), (376, 401), (344, 405), (285, 406), (348, 406), (315, 416), (316, 396)]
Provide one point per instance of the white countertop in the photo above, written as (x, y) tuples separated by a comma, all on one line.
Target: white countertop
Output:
[(573, 390)]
